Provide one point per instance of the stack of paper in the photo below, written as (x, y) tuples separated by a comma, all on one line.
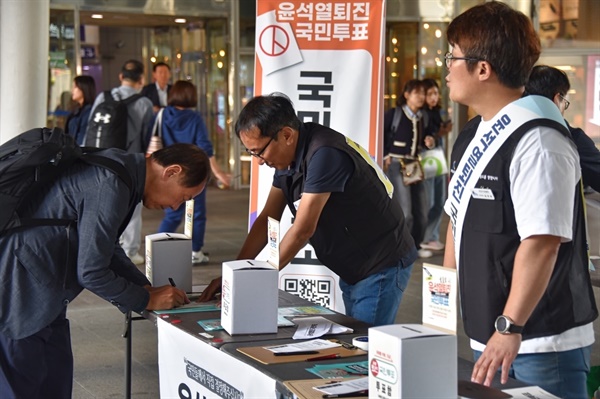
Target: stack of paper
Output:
[(313, 327)]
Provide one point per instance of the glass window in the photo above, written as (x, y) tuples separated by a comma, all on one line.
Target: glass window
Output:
[(569, 23), (61, 64), (400, 59)]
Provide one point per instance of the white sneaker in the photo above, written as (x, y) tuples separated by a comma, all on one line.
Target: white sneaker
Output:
[(137, 259), (199, 258), (425, 253), (433, 245)]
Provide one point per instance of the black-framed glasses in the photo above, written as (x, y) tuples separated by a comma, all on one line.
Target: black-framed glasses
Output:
[(567, 102), (258, 154), (449, 57)]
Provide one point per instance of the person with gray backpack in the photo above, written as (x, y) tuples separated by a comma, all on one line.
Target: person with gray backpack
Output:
[(124, 120)]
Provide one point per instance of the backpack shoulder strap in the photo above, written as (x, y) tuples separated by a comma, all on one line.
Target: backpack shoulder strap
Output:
[(108, 97), (396, 120), (132, 99), (425, 118), (108, 163)]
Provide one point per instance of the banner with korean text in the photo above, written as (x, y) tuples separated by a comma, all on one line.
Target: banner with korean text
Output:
[(328, 58), (190, 368)]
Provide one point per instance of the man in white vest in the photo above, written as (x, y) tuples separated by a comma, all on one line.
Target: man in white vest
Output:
[(516, 212)]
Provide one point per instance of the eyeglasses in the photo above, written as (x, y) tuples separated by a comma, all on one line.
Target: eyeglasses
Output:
[(449, 58), (258, 154), (567, 102)]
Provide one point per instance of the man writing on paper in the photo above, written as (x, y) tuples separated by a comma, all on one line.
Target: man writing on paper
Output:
[(44, 268), (516, 211), (342, 204)]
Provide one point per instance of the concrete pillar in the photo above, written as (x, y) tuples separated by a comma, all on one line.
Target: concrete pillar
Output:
[(24, 39)]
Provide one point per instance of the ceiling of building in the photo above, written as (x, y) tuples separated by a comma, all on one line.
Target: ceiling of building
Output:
[(135, 20)]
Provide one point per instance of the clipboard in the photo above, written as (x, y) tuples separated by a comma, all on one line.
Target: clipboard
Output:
[(265, 356), (303, 389)]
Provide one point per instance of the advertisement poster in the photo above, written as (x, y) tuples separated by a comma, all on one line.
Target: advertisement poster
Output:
[(190, 368), (327, 57), (439, 297)]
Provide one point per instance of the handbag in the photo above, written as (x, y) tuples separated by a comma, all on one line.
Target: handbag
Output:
[(434, 162), (412, 171), (156, 142)]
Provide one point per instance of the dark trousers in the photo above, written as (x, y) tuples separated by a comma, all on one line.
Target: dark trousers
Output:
[(38, 366)]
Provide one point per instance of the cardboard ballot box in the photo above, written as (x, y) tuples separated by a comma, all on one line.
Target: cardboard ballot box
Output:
[(412, 361), (169, 255), (249, 297)]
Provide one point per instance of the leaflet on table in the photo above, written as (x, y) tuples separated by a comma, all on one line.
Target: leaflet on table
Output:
[(314, 345), (345, 387), (215, 324), (439, 295), (529, 393), (340, 370), (192, 307), (300, 310), (312, 327)]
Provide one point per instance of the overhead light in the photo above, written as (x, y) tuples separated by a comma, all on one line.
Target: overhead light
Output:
[(180, 20), (97, 16)]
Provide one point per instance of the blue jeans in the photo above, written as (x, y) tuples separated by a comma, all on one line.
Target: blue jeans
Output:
[(375, 299), (172, 219), (563, 374), (436, 193)]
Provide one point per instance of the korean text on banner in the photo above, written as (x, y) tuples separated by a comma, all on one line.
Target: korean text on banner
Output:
[(327, 57)]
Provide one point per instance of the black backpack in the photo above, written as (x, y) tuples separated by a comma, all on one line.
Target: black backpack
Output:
[(107, 127), (32, 161)]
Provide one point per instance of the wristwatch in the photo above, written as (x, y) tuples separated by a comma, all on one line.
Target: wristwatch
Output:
[(505, 325)]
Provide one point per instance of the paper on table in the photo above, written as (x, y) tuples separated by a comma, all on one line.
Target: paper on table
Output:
[(314, 345), (529, 392), (343, 387), (192, 307), (313, 327), (343, 370)]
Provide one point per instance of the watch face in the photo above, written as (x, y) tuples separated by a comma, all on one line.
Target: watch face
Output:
[(501, 324)]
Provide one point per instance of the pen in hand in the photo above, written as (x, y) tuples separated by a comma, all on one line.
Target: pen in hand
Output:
[(186, 299)]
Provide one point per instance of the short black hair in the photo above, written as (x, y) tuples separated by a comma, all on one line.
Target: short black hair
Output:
[(192, 159), (269, 114), (132, 70), (547, 81), (413, 84), (500, 35), (159, 64)]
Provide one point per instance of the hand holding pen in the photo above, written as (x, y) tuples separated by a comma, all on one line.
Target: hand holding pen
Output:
[(165, 297)]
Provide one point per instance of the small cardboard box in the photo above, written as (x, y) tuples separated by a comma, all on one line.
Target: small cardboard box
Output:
[(169, 255), (249, 298), (412, 361)]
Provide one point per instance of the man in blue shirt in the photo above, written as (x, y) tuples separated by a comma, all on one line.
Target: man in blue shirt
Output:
[(44, 268)]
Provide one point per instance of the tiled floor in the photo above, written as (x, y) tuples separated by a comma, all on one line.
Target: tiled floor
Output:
[(96, 326)]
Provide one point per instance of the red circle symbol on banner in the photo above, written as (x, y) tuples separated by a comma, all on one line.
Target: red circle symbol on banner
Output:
[(374, 367), (274, 40)]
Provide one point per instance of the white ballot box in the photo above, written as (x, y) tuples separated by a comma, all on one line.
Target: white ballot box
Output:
[(412, 361), (249, 297), (169, 255)]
